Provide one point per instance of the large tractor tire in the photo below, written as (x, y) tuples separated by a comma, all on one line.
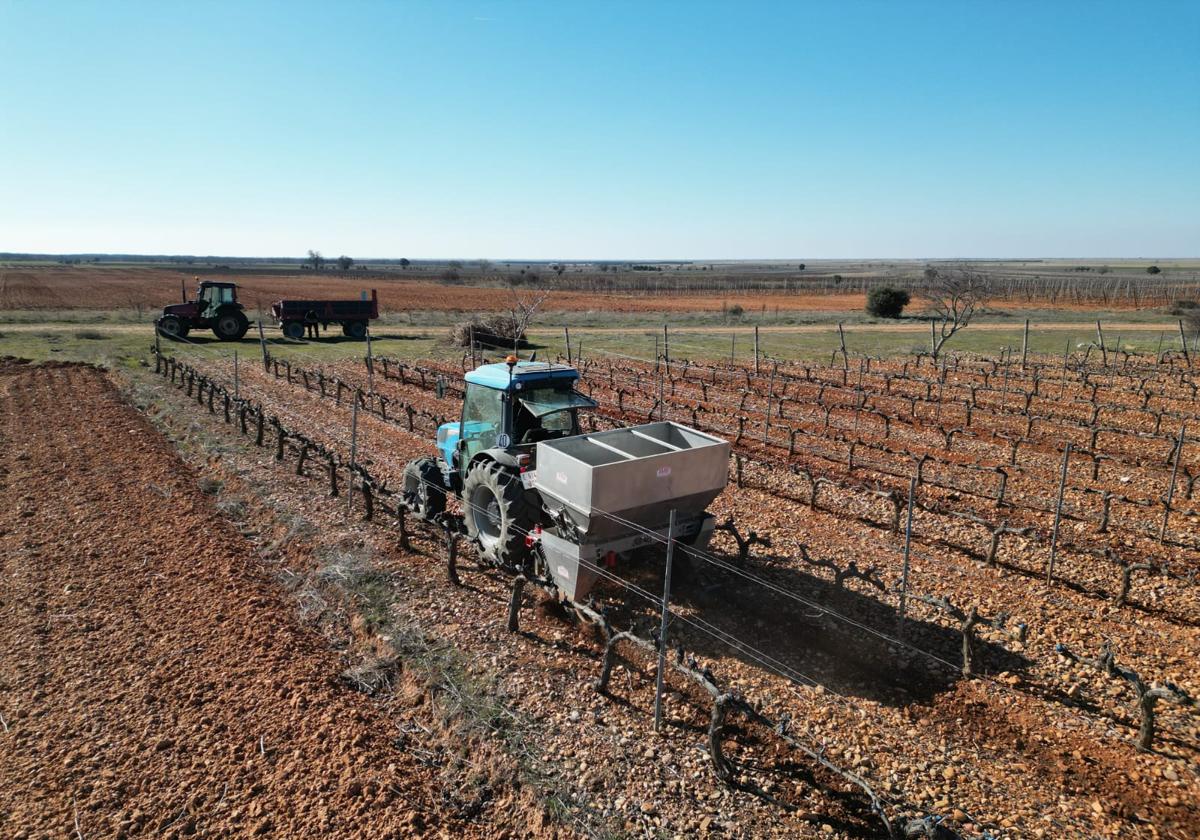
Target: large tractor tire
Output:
[(294, 329), (230, 326), (355, 329), (423, 488), (172, 326), (498, 515)]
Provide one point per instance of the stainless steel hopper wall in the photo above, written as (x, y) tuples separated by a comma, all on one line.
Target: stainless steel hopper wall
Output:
[(637, 474)]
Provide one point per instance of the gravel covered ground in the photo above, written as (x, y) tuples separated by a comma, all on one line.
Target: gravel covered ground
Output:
[(152, 681), (1032, 748)]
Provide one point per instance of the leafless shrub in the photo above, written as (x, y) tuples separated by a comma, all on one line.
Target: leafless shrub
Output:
[(955, 296)]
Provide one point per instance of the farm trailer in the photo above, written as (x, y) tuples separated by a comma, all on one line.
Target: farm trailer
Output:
[(295, 316)]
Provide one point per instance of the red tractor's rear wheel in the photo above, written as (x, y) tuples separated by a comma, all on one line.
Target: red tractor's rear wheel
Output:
[(230, 326)]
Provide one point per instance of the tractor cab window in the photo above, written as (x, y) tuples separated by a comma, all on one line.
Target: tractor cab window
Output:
[(483, 409), (214, 297), (548, 413)]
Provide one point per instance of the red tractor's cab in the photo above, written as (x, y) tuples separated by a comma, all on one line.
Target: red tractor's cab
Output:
[(216, 307)]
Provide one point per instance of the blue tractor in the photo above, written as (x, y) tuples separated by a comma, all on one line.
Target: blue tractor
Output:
[(487, 458)]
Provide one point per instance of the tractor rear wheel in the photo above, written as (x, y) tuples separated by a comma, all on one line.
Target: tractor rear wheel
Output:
[(497, 513), (355, 329), (172, 326), (423, 488), (293, 329), (230, 326)]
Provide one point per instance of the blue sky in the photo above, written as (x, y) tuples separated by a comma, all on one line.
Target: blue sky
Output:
[(606, 130)]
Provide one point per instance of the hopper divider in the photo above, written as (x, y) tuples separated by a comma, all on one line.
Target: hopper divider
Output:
[(667, 444), (610, 447)]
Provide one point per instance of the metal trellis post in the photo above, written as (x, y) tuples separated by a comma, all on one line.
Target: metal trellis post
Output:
[(662, 628), (912, 489), (353, 454), (1062, 487), (1162, 533)]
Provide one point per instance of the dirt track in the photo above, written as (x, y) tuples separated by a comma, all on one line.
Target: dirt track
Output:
[(152, 683)]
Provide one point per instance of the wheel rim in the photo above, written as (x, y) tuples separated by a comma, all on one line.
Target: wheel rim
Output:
[(228, 325), (169, 326), (423, 498)]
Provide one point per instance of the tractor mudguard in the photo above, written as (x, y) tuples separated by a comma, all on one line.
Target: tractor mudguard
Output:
[(500, 456)]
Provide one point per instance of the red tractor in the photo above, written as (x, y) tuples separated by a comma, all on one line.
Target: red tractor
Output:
[(216, 307)]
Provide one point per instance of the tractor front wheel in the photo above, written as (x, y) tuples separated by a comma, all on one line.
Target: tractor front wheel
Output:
[(230, 326), (423, 488), (172, 326), (497, 514)]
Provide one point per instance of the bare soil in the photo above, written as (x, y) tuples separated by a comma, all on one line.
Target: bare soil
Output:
[(152, 682), (106, 288)]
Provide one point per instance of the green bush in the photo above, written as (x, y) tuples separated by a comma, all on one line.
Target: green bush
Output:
[(1153, 270), (887, 302)]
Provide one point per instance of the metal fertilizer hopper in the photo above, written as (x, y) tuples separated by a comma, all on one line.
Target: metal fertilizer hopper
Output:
[(614, 492)]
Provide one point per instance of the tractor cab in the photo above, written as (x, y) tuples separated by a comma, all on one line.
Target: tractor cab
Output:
[(511, 406), (212, 296)]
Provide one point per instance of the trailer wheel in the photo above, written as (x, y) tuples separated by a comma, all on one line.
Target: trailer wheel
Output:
[(355, 329), (230, 326), (423, 488), (293, 329), (497, 514), (172, 326)]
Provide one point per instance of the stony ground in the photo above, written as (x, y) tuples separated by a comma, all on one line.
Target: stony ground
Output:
[(471, 729), (152, 681)]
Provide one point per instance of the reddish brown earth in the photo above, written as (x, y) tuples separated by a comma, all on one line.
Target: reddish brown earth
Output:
[(152, 683), (126, 288), (103, 288), (1041, 750)]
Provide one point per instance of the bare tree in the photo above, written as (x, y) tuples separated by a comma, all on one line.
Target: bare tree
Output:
[(954, 298), (525, 304), (485, 266), (315, 259), (345, 262)]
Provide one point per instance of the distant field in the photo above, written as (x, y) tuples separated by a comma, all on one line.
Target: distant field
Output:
[(761, 291), (98, 313), (151, 288)]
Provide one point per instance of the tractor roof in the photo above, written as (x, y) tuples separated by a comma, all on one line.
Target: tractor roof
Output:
[(524, 374)]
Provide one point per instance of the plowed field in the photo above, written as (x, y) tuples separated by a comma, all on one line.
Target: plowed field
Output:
[(151, 681), (127, 288)]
